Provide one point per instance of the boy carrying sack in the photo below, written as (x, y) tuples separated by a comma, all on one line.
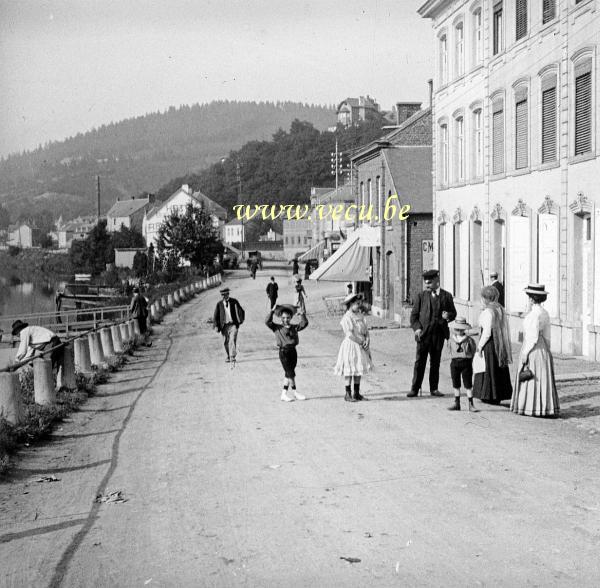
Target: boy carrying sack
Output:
[(462, 349)]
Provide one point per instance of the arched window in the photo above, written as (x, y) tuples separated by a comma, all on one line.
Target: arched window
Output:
[(477, 142), (521, 128), (443, 173), (443, 42), (459, 131), (498, 135), (477, 37), (549, 100), (459, 48)]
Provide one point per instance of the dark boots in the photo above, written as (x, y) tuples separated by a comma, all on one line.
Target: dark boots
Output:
[(456, 405), (357, 394), (348, 397)]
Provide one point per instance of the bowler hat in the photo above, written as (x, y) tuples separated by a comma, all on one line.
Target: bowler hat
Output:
[(224, 290), (460, 324), (18, 326), (285, 307), (536, 289), (430, 274)]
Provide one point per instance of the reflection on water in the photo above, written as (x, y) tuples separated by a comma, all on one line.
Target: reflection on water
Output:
[(18, 297)]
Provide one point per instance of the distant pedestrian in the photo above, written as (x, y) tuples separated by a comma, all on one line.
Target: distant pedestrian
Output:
[(301, 295), (499, 286), (535, 393), (253, 268), (138, 309), (33, 339), (295, 267), (286, 335), (462, 349), (227, 318), (354, 355), (348, 288), (493, 385), (272, 292), (431, 313), (307, 270)]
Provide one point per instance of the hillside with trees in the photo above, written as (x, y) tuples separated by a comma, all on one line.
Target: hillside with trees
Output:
[(138, 155)]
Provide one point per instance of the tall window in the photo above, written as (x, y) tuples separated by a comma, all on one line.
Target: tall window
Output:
[(369, 193), (498, 28), (521, 19), (362, 194), (549, 113), (498, 136), (548, 10), (379, 212), (443, 60), (457, 290), (444, 154), (477, 37), (477, 144), (460, 148), (521, 130), (459, 35), (583, 108)]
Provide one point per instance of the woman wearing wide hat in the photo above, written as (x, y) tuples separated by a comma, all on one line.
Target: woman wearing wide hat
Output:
[(493, 385), (535, 387), (354, 356)]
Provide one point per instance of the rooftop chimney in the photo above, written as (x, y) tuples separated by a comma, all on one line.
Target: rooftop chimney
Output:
[(404, 110)]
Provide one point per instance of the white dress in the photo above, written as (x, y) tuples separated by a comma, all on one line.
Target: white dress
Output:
[(353, 359), (538, 396)]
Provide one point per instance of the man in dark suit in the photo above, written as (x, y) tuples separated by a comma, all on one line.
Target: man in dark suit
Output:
[(272, 292), (228, 317), (499, 286), (431, 313)]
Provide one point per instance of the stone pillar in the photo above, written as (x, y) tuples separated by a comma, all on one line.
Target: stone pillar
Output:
[(43, 381), (164, 304), (66, 374), (136, 328), (176, 298), (124, 331), (11, 407), (82, 355), (107, 344), (131, 327), (115, 333), (96, 355), (170, 301), (154, 313)]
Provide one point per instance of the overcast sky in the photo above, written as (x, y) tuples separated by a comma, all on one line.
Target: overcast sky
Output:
[(69, 65)]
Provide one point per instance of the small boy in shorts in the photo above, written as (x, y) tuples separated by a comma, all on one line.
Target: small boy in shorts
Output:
[(462, 349)]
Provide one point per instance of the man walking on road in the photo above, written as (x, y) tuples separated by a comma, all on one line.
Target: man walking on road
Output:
[(139, 312), (272, 292), (227, 318), (431, 313)]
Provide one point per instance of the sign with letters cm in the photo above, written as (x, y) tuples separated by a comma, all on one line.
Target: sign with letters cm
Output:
[(427, 259)]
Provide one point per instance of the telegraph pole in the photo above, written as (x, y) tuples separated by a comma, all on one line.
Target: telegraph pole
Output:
[(239, 197), (336, 164)]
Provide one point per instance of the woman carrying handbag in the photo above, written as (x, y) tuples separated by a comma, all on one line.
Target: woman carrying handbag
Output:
[(535, 387)]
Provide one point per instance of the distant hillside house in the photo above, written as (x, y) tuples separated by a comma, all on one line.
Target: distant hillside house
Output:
[(20, 235), (127, 213), (75, 230), (271, 235), (234, 232), (179, 201), (351, 111), (297, 237)]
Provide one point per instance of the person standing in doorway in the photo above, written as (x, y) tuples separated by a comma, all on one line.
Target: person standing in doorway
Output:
[(499, 286), (431, 313), (272, 292), (227, 319)]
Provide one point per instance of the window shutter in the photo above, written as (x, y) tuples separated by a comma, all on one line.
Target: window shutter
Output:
[(521, 158), (521, 18), (498, 139), (549, 125), (549, 10), (583, 113)]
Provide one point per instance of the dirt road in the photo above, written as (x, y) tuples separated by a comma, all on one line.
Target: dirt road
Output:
[(227, 486)]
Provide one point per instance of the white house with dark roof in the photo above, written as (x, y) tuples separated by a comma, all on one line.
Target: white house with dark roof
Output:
[(178, 201), (233, 231), (127, 213)]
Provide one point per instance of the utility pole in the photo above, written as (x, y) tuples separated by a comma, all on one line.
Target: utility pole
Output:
[(239, 197), (98, 197)]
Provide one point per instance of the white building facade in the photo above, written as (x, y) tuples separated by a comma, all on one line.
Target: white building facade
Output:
[(233, 232), (516, 158)]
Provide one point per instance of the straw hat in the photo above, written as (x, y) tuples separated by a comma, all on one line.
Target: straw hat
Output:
[(287, 307), (536, 289), (224, 290), (460, 324), (351, 298)]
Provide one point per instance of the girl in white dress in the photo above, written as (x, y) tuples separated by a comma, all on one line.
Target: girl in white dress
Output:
[(536, 396), (354, 356)]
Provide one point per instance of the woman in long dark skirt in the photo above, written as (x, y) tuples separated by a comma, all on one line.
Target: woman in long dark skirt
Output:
[(494, 385)]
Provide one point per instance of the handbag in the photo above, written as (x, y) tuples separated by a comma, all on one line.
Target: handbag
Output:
[(525, 374)]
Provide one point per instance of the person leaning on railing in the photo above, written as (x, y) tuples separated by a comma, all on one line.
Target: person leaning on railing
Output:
[(34, 339)]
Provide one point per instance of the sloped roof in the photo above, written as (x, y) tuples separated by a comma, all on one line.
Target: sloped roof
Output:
[(125, 208), (342, 194), (199, 197), (233, 222), (410, 169)]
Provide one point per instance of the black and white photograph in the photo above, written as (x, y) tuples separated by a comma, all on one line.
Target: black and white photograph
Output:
[(299, 293)]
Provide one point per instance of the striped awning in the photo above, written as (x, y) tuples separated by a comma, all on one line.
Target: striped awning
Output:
[(315, 252)]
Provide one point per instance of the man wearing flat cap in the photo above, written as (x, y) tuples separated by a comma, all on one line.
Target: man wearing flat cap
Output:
[(431, 313), (499, 286), (228, 317)]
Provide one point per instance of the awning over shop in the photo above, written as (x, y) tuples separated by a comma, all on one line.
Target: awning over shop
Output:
[(315, 252), (351, 262)]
